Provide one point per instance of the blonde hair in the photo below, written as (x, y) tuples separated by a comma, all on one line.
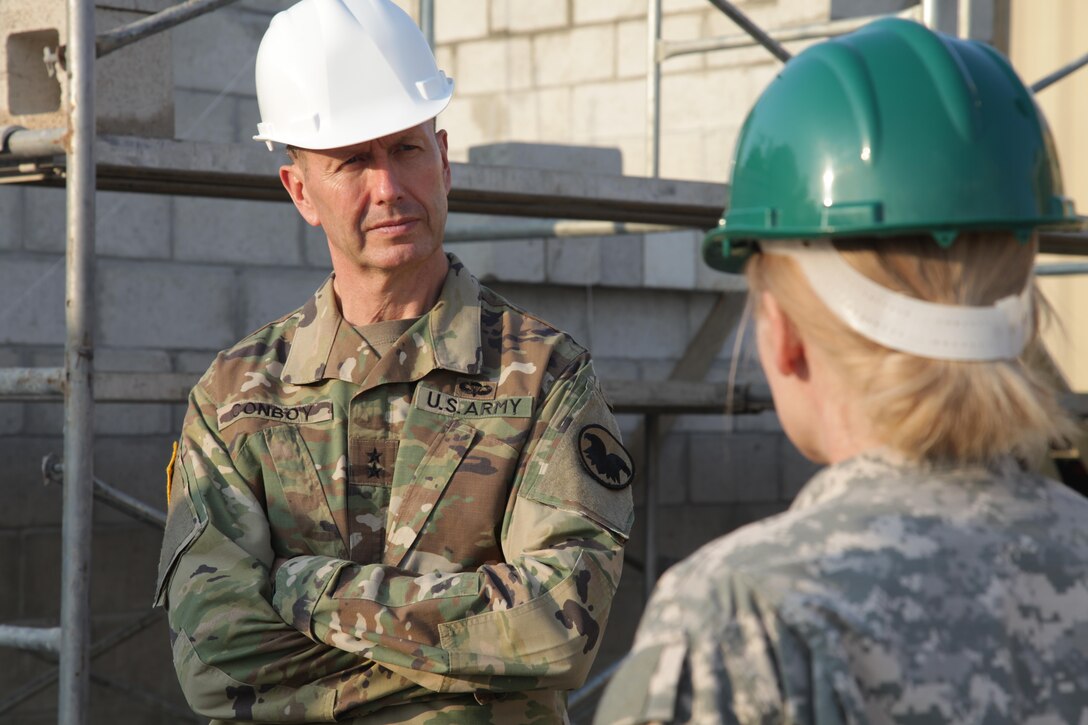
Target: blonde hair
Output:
[(932, 410)]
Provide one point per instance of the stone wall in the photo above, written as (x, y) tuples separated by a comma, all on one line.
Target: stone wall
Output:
[(180, 278)]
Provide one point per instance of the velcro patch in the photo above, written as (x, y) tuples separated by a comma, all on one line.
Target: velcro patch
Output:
[(435, 401), (604, 457), (309, 413)]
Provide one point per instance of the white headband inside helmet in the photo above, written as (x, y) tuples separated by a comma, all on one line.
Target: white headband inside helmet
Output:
[(899, 322)]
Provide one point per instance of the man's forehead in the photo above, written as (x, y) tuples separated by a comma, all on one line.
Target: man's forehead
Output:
[(422, 130)]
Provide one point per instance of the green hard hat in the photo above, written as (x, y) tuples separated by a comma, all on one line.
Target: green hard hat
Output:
[(892, 129)]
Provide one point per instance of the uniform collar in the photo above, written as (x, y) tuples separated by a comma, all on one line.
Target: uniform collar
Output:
[(326, 346), (879, 473)]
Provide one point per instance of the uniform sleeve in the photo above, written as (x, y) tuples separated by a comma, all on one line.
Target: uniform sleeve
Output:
[(532, 621), (716, 654), (235, 657)]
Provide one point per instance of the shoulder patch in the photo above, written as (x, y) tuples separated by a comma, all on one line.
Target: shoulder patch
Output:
[(604, 457)]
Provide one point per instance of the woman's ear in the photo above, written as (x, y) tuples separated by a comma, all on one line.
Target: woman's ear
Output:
[(785, 348)]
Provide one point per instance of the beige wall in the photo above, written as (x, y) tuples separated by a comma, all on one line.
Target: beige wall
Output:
[(1043, 37)]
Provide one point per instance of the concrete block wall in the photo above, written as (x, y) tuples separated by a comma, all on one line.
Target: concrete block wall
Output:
[(180, 278)]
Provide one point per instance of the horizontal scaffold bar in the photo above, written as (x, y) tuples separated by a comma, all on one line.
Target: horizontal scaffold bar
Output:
[(249, 171), (39, 639)]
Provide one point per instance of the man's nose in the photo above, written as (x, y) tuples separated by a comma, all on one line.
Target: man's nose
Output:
[(385, 182)]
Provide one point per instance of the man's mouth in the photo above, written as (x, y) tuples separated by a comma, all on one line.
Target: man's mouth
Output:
[(394, 227)]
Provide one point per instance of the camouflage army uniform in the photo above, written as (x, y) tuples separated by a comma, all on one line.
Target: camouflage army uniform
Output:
[(412, 538), (888, 593)]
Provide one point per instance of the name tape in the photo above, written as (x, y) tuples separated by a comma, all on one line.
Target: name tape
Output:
[(310, 413), (435, 401)]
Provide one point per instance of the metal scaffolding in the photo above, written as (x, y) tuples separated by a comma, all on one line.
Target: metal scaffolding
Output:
[(76, 158)]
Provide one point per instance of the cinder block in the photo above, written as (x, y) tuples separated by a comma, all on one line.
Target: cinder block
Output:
[(132, 225), (471, 121), (683, 26), (11, 414), (670, 259), (740, 467), (494, 65), (574, 260), (796, 470), (204, 116), (243, 232), (45, 215), (315, 246), (516, 260), (615, 368), (19, 669), (126, 225), (672, 474), (165, 305), (519, 260), (10, 552), (639, 324), (11, 212), (517, 16), (632, 48), (554, 118), (246, 117), (607, 11), (621, 260), (193, 362), (462, 20), (216, 52), (143, 663), (633, 149), (32, 300), (133, 85), (270, 294), (135, 465), (607, 111), (563, 157), (683, 530), (123, 568), (39, 580), (576, 56)]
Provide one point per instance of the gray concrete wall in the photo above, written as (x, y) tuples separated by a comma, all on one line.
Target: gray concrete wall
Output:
[(180, 278)]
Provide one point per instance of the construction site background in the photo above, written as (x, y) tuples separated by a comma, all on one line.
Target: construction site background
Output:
[(179, 278)]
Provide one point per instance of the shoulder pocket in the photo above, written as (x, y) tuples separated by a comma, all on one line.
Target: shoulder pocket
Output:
[(566, 477), (183, 527)]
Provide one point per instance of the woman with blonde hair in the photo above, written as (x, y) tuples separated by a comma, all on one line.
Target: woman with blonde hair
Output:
[(887, 189)]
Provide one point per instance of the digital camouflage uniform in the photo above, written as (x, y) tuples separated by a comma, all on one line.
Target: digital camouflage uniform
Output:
[(888, 593), (420, 537)]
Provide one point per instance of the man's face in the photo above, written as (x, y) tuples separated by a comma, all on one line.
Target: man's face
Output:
[(382, 203)]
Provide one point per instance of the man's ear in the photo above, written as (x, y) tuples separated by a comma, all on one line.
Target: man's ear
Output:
[(291, 177), (786, 347), (443, 148)]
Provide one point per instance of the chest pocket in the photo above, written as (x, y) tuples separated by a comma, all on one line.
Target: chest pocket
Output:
[(450, 492), (306, 511)]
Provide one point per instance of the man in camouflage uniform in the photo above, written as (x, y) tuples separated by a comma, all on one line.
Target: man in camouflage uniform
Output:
[(404, 502)]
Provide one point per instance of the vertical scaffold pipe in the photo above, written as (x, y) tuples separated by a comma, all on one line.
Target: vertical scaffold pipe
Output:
[(653, 89), (74, 685)]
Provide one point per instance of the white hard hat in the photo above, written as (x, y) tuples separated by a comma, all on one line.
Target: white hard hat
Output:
[(332, 73)]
